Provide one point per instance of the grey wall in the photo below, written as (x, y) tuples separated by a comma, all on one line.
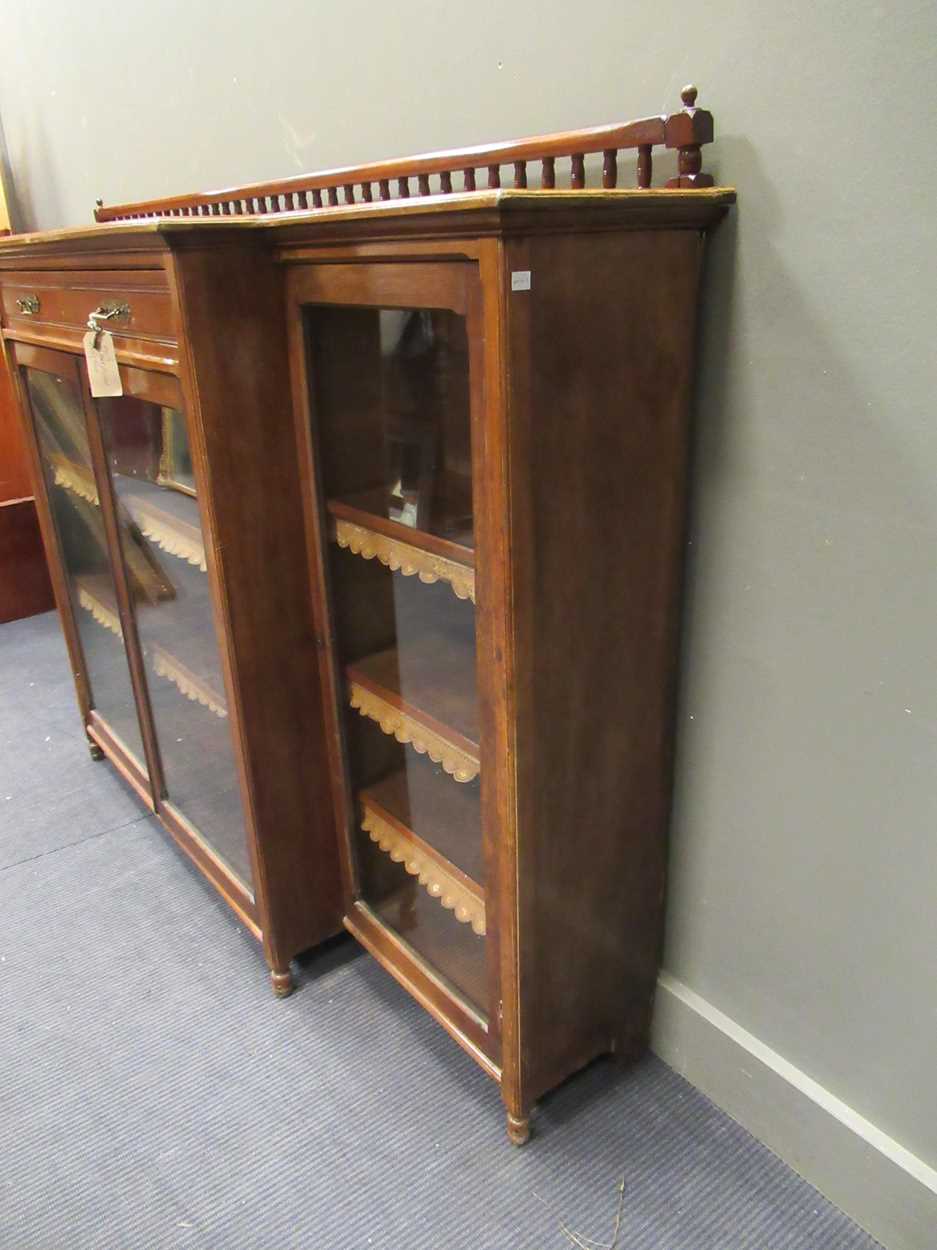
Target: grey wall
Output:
[(802, 900)]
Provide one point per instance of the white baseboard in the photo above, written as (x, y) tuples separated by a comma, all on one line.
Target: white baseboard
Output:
[(874, 1179)]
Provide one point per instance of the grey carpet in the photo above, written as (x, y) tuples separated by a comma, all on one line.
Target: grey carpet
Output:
[(154, 1094)]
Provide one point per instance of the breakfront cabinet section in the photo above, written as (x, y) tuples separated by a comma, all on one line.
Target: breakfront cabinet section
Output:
[(172, 518), (492, 430)]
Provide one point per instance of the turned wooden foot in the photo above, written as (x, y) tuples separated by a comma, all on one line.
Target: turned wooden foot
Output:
[(282, 981), (94, 750), (518, 1129)]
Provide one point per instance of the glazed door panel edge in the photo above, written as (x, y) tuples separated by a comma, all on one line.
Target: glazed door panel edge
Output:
[(497, 677), (364, 289), (74, 476), (111, 606), (159, 528)]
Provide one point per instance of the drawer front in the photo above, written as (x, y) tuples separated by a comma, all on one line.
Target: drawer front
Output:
[(64, 301)]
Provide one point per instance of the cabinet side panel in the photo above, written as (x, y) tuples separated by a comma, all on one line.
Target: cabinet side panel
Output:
[(232, 311), (600, 364)]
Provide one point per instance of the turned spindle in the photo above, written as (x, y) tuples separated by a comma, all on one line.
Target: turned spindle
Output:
[(520, 175), (366, 192), (333, 197), (610, 168), (423, 184), (384, 188), (494, 175), (687, 131), (577, 172), (445, 182), (403, 188), (469, 176), (349, 193), (644, 166), (548, 173)]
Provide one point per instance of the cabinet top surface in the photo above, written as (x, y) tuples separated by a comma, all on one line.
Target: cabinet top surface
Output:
[(627, 208)]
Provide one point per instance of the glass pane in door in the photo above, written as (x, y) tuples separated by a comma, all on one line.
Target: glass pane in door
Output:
[(391, 404), (62, 435), (151, 470)]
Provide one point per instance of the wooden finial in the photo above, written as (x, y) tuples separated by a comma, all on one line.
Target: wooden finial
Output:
[(99, 203), (687, 131)]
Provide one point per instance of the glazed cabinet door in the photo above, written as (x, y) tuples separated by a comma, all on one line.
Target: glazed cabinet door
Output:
[(390, 397), (54, 395), (152, 480)]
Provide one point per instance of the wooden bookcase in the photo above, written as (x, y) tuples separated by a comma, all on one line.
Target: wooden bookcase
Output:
[(425, 457), (492, 414)]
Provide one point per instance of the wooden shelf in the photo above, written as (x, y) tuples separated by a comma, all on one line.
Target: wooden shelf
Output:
[(360, 524), (172, 524), (434, 830), (402, 556), (96, 596), (424, 694), (168, 518), (456, 955), (74, 477)]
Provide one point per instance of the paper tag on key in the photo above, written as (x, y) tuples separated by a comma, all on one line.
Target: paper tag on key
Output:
[(103, 372)]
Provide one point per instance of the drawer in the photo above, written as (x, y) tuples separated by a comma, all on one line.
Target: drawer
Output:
[(65, 301)]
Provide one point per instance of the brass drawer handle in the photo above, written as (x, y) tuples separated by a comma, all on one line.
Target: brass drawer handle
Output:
[(106, 312), (28, 305)]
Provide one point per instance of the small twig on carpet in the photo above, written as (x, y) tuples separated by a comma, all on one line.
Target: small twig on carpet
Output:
[(588, 1243)]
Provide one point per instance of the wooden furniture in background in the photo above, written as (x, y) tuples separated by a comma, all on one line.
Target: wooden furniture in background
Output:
[(25, 588), (173, 523)]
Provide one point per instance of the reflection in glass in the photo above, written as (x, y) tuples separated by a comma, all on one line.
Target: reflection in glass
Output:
[(151, 469), (66, 462), (399, 378), (175, 463), (392, 408)]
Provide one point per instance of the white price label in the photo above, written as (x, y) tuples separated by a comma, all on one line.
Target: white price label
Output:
[(103, 372), (520, 280)]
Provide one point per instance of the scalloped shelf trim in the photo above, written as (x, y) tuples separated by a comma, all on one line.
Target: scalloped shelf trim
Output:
[(79, 481), (191, 686), (168, 538), (162, 532), (457, 763), (104, 616), (448, 891), (404, 559)]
